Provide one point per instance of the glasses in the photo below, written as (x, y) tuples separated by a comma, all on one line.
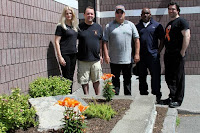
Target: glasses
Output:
[(118, 12)]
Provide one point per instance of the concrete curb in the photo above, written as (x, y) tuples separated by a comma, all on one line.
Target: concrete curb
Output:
[(169, 125), (187, 111), (139, 118), (152, 120)]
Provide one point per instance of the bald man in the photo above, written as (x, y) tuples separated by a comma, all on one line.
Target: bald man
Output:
[(150, 33)]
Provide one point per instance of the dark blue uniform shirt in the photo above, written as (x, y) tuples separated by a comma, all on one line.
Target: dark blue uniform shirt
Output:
[(149, 37)]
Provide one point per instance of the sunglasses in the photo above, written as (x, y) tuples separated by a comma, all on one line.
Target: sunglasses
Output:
[(119, 11)]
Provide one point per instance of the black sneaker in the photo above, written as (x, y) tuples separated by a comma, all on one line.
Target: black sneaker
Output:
[(174, 104)]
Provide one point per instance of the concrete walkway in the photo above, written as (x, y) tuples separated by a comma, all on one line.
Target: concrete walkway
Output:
[(141, 116)]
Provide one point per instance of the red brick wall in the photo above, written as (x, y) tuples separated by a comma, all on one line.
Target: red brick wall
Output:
[(192, 64), (26, 41)]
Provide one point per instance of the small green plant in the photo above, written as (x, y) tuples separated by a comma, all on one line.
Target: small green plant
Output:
[(102, 111), (108, 91), (15, 112), (3, 128), (51, 86), (73, 117), (177, 121)]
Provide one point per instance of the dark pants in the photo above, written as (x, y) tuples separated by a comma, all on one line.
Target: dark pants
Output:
[(175, 76), (68, 70), (126, 71), (153, 64)]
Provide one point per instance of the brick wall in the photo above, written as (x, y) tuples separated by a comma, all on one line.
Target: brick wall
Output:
[(27, 52), (192, 64), (27, 36)]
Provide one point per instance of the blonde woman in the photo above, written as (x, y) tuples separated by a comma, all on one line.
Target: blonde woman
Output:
[(65, 42)]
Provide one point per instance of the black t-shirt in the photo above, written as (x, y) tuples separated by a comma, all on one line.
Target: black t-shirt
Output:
[(173, 42), (68, 39), (89, 37)]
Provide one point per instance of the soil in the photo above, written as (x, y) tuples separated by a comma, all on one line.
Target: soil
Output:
[(161, 113), (96, 125)]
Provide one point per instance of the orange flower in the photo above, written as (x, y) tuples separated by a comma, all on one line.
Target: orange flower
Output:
[(82, 108), (68, 102), (110, 75), (83, 117), (109, 83), (104, 77), (60, 102), (67, 117), (72, 103), (66, 99), (107, 76)]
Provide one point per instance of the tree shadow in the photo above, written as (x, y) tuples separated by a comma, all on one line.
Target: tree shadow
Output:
[(53, 68), (163, 4)]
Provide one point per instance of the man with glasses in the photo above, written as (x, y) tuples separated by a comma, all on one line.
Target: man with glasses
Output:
[(150, 33), (119, 36)]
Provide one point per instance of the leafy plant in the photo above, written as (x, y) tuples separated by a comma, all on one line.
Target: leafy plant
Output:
[(3, 128), (177, 121), (51, 86), (108, 91), (102, 111), (73, 117), (15, 112)]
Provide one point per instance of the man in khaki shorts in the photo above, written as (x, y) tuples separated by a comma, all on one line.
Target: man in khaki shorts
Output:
[(89, 52)]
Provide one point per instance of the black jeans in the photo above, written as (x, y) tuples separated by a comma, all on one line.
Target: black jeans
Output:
[(153, 64), (175, 76), (126, 71), (68, 70)]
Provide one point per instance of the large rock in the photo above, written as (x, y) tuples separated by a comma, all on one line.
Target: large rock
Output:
[(50, 114)]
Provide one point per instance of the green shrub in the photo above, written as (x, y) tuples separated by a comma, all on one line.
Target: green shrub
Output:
[(15, 112), (102, 111), (3, 128), (51, 86)]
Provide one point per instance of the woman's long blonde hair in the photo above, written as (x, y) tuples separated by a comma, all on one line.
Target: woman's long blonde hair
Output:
[(74, 21)]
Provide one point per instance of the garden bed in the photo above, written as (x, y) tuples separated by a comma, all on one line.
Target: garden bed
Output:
[(97, 125)]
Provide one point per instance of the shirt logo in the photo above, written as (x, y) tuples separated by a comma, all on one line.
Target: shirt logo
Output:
[(153, 27), (167, 32), (95, 32)]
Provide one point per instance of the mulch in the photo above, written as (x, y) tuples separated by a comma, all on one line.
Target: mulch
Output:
[(161, 113)]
